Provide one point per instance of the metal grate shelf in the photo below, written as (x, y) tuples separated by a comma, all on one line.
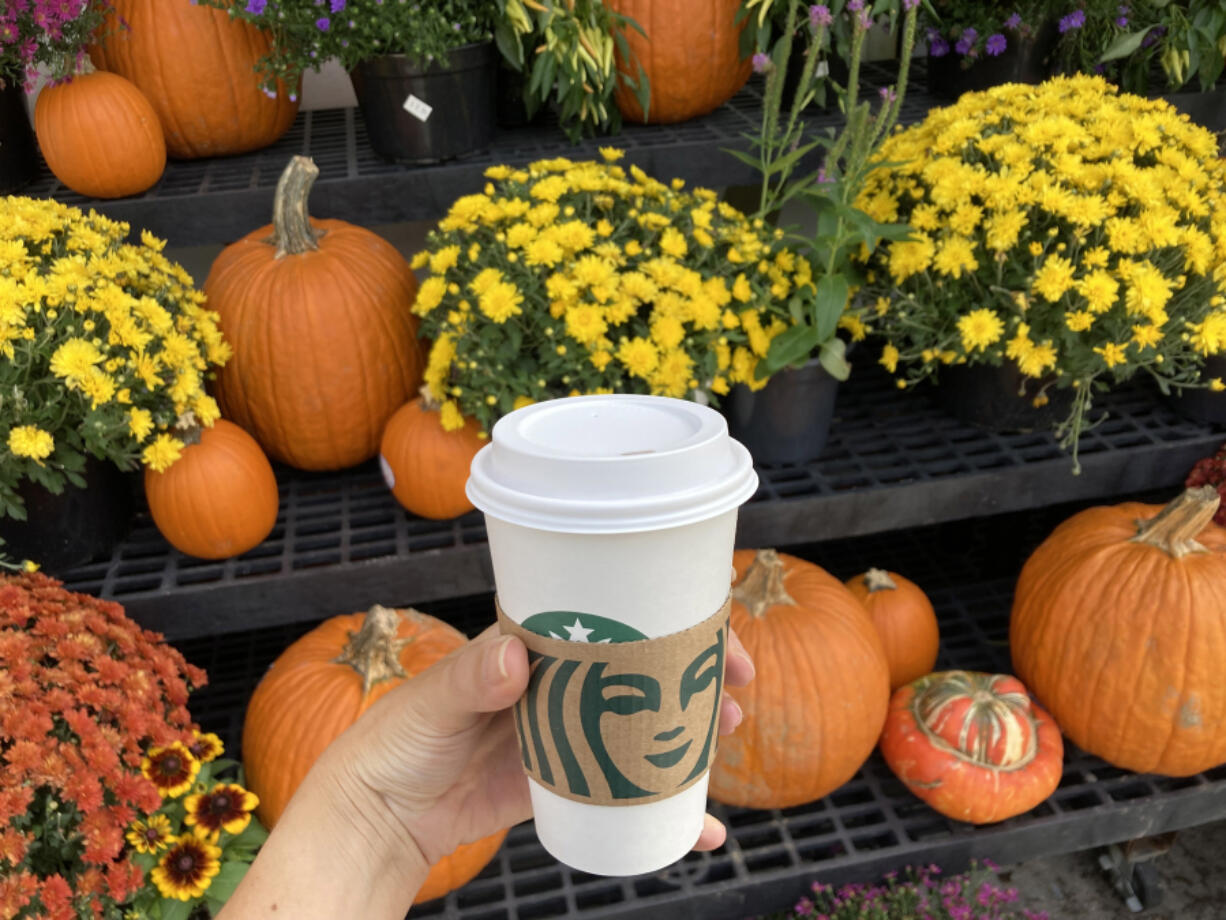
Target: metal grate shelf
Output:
[(893, 461), (869, 826), (218, 200)]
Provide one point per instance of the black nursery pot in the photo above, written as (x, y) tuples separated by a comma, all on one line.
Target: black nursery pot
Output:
[(18, 150), (1202, 405), (987, 397), (450, 109), (788, 420), (75, 527), (1023, 61)]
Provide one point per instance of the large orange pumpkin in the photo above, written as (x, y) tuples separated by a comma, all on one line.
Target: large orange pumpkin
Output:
[(905, 621), (197, 67), (219, 499), (321, 685), (691, 55), (425, 466), (972, 745), (317, 313), (1119, 628), (813, 714), (99, 135)]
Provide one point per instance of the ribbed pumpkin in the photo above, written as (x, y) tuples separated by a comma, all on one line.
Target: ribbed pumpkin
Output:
[(814, 712), (196, 65), (1119, 628), (691, 55), (219, 499), (905, 621), (100, 136), (325, 346), (321, 685), (972, 745), (425, 465)]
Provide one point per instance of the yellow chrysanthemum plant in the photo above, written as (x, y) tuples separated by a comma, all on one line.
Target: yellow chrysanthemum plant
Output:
[(105, 346), (1072, 230), (567, 278)]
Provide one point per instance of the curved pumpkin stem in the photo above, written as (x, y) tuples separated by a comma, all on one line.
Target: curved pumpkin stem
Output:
[(762, 585), (1175, 528), (374, 650), (291, 224), (879, 580)]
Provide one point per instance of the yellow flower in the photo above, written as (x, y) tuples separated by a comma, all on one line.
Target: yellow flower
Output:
[(1003, 230), (639, 356), (600, 359), (667, 332), (74, 359), (543, 251), (501, 301), (1053, 278), (445, 258), (486, 279), (672, 243), (162, 453), (611, 154), (226, 807), (1149, 290), (1216, 385), (429, 295), (1079, 320), (187, 868), (498, 173), (1036, 359), (171, 768), (889, 358), (955, 255), (150, 835), (911, 257), (1036, 249), (1146, 336), (854, 325), (450, 416), (1100, 291), (1112, 354), (30, 441), (979, 329), (522, 401), (585, 324), (419, 260)]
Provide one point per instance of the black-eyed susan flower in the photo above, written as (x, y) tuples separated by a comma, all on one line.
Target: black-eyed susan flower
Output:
[(206, 746), (226, 807), (187, 868), (172, 768), (149, 836)]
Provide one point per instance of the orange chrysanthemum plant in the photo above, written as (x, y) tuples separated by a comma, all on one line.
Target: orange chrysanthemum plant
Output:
[(110, 803)]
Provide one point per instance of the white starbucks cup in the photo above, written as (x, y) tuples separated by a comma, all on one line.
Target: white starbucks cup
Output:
[(611, 519)]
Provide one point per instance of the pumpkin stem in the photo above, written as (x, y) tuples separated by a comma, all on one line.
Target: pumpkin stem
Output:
[(292, 230), (188, 428), (879, 580), (761, 587), (374, 651), (1174, 529), (429, 401)]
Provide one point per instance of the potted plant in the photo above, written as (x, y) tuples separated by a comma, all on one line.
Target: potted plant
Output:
[(32, 35), (1066, 237), (105, 347), (789, 420), (974, 45), (424, 73), (565, 278), (113, 802)]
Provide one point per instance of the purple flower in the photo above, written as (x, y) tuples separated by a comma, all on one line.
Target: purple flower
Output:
[(256, 7), (888, 94), (996, 45), (1122, 22), (1074, 20), (966, 42), (855, 6), (1152, 36), (322, 23), (819, 15), (938, 47), (1014, 22), (761, 62), (338, 5), (910, 4)]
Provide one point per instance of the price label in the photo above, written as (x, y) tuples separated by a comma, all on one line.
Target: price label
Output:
[(417, 108)]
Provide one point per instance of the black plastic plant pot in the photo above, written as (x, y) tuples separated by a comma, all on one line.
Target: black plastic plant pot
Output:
[(788, 420), (1024, 60), (75, 527), (992, 398), (1202, 405), (1207, 109), (18, 150), (427, 114)]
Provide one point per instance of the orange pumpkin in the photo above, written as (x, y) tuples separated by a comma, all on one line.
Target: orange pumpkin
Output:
[(197, 67), (99, 135), (321, 685), (219, 499), (691, 55), (317, 313), (1117, 628), (425, 465), (905, 621), (814, 712), (972, 745)]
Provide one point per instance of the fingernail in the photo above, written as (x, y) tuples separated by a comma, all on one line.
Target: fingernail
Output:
[(749, 661), (738, 712), (502, 657)]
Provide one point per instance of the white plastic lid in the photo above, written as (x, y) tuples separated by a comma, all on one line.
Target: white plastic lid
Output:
[(610, 464)]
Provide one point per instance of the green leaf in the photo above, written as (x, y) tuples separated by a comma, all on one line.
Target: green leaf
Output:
[(1125, 45), (253, 835), (788, 160), (791, 346), (828, 305), (748, 159), (225, 881), (832, 357), (174, 909), (509, 45)]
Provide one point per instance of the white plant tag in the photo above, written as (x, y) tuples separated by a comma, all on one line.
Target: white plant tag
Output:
[(823, 69), (388, 476), (417, 108)]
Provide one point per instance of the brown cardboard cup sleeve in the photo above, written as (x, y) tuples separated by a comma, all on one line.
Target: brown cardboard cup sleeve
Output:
[(616, 720)]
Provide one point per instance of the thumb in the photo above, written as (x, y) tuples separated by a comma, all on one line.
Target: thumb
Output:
[(486, 675)]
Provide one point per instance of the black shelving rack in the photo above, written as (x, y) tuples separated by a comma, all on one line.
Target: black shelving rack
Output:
[(901, 483)]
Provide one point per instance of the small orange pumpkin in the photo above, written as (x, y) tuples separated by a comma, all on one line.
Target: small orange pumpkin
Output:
[(973, 746), (905, 620), (99, 135), (318, 313), (814, 712), (425, 465), (1117, 627), (321, 685), (219, 499), (691, 56)]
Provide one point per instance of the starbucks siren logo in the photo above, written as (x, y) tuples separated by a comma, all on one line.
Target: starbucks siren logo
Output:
[(580, 627)]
